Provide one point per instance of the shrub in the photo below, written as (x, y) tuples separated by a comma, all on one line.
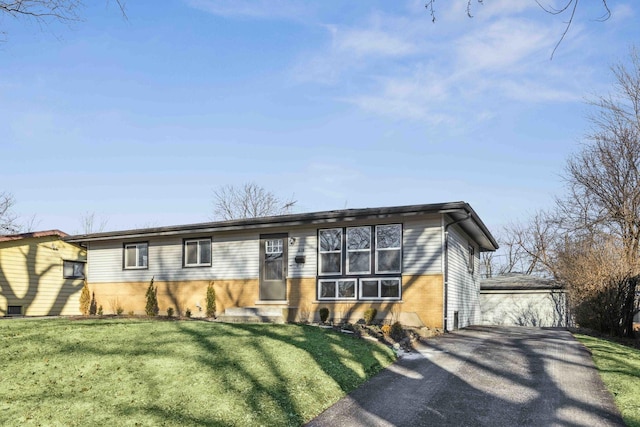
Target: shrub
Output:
[(211, 301), (130, 312), (396, 332), (100, 312), (93, 306), (369, 315), (188, 312), (152, 300), (324, 314), (85, 299), (119, 311), (170, 312), (386, 329)]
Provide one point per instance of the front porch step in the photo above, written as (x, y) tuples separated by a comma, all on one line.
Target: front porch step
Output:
[(253, 315)]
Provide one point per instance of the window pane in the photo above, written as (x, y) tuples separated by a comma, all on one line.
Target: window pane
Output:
[(369, 288), (78, 269), (330, 263), (358, 238), (346, 289), (389, 236), (130, 255), (205, 252), (142, 255), (388, 261), (390, 288), (331, 240), (359, 262), (191, 253), (67, 269), (327, 289), (273, 246)]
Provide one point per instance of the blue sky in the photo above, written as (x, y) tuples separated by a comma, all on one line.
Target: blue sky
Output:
[(336, 103)]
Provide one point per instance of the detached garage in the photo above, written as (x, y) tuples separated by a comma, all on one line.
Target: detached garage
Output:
[(523, 300)]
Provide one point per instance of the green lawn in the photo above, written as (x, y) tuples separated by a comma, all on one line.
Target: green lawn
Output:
[(149, 373), (619, 368)]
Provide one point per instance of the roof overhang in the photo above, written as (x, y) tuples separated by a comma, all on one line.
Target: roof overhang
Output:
[(474, 227)]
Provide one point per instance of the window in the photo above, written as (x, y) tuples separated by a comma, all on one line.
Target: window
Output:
[(337, 289), (197, 253), (388, 248), (136, 255), (273, 265), (383, 288), (73, 269), (359, 250), (330, 251), (472, 259)]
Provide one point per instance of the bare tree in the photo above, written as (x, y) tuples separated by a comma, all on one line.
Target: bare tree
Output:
[(567, 9), (44, 12), (92, 224), (248, 201), (8, 219)]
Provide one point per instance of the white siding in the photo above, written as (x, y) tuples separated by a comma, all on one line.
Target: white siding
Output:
[(306, 243), (422, 247), (463, 286)]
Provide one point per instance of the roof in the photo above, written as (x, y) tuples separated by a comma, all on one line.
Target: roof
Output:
[(459, 212), (34, 234), (518, 281)]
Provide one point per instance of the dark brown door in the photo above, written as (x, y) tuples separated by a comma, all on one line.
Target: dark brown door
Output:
[(273, 266)]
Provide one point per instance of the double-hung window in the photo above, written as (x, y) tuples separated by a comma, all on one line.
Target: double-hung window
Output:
[(73, 269), (197, 253), (359, 250), (136, 255), (388, 248), (330, 252)]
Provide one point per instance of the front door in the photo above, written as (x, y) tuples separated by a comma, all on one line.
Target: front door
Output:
[(273, 267)]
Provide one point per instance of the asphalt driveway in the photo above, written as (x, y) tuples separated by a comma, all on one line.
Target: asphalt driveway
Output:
[(484, 376)]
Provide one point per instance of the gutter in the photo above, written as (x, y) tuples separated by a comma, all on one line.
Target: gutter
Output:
[(446, 266)]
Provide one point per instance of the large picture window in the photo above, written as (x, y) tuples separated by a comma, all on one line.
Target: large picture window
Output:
[(136, 255), (388, 248), (197, 253), (330, 251), (366, 259)]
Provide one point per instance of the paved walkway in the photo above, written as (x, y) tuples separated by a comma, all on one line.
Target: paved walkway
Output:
[(484, 376)]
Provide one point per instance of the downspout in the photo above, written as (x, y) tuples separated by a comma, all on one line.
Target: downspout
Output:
[(446, 267)]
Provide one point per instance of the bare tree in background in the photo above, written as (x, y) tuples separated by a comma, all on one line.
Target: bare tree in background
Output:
[(566, 9), (248, 201), (8, 218), (44, 12), (92, 224)]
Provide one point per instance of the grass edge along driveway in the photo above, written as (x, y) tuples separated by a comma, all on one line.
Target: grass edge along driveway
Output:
[(619, 368), (150, 372)]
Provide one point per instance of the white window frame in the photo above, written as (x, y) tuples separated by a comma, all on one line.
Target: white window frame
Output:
[(73, 269), (379, 280), (350, 251), (378, 250), (337, 287), (198, 263), (321, 252), (137, 246), (273, 246)]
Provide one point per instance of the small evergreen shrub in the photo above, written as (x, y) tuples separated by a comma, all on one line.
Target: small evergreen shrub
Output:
[(188, 312), (386, 329), (119, 311), (396, 332), (93, 306), (100, 312), (324, 314), (85, 299), (211, 301), (151, 308), (170, 312), (131, 313), (369, 315)]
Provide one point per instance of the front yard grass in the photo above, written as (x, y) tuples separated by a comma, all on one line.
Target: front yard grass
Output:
[(153, 373), (619, 367)]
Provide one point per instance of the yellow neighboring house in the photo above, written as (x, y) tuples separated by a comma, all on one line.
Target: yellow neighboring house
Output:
[(40, 274)]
